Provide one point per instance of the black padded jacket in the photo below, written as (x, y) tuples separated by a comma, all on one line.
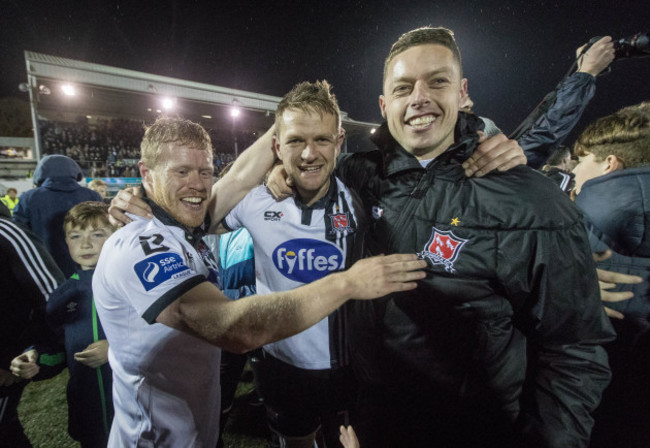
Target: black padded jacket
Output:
[(510, 286)]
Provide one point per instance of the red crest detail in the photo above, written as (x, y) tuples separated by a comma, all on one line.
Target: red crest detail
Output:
[(340, 221), (443, 245)]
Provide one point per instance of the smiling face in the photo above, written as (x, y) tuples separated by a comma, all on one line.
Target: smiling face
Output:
[(423, 90), (308, 144), (85, 244), (180, 182)]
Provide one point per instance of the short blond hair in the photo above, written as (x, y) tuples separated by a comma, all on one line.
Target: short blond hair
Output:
[(309, 97), (96, 183), (167, 130)]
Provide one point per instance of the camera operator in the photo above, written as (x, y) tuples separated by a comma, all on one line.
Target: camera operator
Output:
[(572, 96)]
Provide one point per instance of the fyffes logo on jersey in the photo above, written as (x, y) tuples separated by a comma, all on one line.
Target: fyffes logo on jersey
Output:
[(305, 260)]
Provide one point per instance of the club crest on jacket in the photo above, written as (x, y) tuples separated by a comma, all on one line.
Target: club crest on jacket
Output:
[(443, 248)]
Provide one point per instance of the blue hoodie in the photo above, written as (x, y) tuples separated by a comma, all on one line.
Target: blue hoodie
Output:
[(42, 209)]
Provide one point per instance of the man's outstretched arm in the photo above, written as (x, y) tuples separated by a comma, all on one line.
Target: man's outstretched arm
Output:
[(242, 325)]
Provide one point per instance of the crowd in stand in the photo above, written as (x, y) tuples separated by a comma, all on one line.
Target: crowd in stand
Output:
[(111, 148)]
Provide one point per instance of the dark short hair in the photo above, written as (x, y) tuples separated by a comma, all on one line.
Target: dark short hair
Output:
[(423, 36), (558, 155)]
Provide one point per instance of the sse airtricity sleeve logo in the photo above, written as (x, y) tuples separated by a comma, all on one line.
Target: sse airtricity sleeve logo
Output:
[(159, 268)]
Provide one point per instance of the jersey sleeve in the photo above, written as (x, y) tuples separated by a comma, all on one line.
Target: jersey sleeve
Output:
[(234, 219), (149, 269)]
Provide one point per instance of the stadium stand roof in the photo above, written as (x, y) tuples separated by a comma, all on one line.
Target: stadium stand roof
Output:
[(116, 92)]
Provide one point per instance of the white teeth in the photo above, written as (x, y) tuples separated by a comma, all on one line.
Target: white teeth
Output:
[(193, 200), (422, 121), (314, 168)]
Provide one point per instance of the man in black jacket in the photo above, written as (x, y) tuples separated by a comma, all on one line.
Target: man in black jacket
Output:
[(500, 345)]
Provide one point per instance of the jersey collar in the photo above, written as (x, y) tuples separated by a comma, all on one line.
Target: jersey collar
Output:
[(323, 202), (191, 236)]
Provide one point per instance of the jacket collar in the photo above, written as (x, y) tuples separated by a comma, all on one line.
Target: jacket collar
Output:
[(191, 236), (616, 207), (396, 159)]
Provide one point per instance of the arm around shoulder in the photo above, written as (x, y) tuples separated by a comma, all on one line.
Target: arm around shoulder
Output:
[(247, 172)]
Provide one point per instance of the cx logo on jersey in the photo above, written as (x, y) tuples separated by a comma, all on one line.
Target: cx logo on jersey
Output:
[(270, 215), (305, 260)]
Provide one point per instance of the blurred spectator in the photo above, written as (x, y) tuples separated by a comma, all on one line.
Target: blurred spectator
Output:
[(42, 209), (28, 276), (99, 186), (558, 168), (10, 199), (613, 192)]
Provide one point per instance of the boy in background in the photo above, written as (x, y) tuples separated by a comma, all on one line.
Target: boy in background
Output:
[(71, 310)]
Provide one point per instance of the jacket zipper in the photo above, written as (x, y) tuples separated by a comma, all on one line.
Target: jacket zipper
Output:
[(411, 204)]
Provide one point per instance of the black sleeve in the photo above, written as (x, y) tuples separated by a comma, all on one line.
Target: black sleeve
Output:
[(28, 277), (550, 277), (550, 130), (33, 268)]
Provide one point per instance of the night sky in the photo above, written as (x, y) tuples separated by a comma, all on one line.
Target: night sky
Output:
[(514, 52)]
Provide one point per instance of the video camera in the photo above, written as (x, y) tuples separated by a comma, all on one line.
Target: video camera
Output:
[(635, 46)]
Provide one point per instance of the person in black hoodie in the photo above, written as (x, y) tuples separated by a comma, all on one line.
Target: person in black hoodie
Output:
[(613, 192)]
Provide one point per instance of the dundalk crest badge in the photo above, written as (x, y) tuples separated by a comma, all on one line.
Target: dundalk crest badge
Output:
[(340, 222), (443, 248)]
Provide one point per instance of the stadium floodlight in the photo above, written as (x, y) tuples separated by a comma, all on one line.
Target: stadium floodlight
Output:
[(168, 103), (235, 110), (68, 90), (373, 130)]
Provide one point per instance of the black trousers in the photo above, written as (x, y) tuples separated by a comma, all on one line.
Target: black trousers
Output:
[(301, 401), (11, 430)]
